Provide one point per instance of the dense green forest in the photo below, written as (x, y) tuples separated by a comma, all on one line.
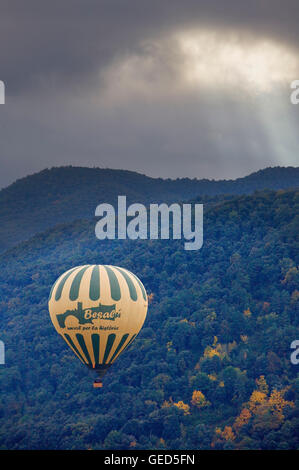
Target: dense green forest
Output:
[(211, 367), (41, 201)]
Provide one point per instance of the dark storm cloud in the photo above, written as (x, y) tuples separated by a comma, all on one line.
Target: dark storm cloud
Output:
[(91, 82), (68, 39)]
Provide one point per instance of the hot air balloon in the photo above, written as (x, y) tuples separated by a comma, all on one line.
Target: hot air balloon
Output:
[(98, 310)]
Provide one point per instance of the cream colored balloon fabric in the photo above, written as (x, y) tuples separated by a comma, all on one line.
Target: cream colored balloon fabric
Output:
[(98, 310)]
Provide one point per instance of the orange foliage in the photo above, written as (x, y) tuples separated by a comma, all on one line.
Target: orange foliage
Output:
[(262, 385), (199, 400), (242, 419), (247, 312), (257, 399), (228, 434), (277, 403), (183, 406)]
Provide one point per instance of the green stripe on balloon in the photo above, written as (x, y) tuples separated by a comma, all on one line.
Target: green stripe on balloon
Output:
[(121, 343), (74, 290), (109, 344), (95, 338), (81, 341), (114, 285), (141, 286), (132, 289), (94, 287), (72, 344), (61, 284), (51, 291), (128, 344)]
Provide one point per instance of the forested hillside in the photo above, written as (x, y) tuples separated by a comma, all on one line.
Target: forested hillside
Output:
[(211, 367), (41, 201)]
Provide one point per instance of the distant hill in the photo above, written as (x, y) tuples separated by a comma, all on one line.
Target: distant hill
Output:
[(45, 199), (219, 327)]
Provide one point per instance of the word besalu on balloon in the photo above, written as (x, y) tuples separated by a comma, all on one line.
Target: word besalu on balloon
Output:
[(87, 315), (88, 302)]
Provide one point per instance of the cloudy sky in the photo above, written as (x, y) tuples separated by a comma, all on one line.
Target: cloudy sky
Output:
[(168, 88)]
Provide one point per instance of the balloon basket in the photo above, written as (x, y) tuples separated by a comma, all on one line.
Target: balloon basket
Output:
[(101, 370), (97, 384)]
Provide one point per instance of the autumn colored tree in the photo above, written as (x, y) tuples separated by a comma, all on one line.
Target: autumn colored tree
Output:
[(199, 400), (228, 434), (224, 436), (183, 406), (277, 403), (257, 399), (262, 385), (242, 419)]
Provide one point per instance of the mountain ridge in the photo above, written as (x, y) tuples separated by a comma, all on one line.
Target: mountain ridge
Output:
[(42, 200), (269, 170)]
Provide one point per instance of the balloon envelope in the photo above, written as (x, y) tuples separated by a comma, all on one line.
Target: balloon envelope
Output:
[(98, 310)]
